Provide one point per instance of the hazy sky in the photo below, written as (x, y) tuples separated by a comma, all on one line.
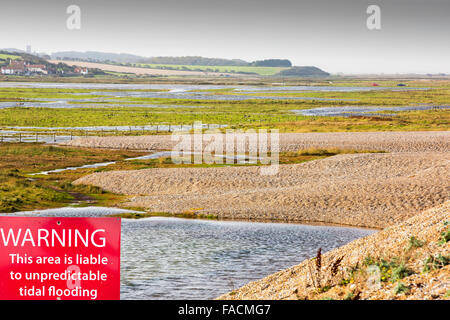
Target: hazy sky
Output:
[(329, 34)]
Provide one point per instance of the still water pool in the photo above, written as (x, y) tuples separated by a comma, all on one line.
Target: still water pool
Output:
[(172, 258)]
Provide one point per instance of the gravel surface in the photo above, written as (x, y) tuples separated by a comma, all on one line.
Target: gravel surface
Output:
[(419, 141), (368, 190), (378, 190)]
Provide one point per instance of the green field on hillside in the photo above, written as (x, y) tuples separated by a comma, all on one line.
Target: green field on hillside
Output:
[(4, 56), (262, 71)]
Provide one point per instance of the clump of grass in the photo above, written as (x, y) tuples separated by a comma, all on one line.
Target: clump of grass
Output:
[(401, 288), (315, 270), (414, 243), (400, 272), (323, 277), (186, 215), (445, 235), (332, 152), (389, 270), (352, 295), (435, 262), (85, 189), (349, 296), (133, 215), (369, 260), (19, 194), (335, 266), (324, 289)]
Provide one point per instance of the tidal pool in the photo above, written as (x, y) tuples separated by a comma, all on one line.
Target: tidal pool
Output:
[(368, 111), (195, 92), (172, 258)]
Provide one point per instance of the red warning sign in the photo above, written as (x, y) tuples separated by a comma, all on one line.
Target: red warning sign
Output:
[(59, 258)]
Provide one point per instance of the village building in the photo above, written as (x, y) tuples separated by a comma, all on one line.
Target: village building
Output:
[(14, 68), (19, 67), (36, 68), (83, 71)]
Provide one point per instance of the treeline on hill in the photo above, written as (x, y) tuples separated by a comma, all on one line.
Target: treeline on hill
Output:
[(96, 56), (284, 63), (125, 59), (195, 61), (303, 72)]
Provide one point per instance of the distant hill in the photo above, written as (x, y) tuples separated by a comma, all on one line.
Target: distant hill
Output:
[(198, 63), (11, 50), (308, 71), (195, 61), (125, 58), (96, 56)]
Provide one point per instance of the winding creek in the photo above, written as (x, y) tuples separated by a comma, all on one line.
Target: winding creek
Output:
[(161, 154), (173, 258), (348, 111)]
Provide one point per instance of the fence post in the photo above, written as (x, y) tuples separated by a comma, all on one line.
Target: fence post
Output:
[(20, 137), (36, 137)]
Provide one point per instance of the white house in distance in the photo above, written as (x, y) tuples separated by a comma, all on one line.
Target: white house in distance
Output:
[(14, 67), (80, 70), (18, 67), (36, 68), (7, 70)]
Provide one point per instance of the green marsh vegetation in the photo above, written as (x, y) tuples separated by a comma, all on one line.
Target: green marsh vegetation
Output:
[(252, 113), (22, 192), (238, 116), (188, 214)]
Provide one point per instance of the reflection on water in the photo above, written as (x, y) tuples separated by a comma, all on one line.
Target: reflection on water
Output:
[(161, 154), (326, 88), (171, 258), (202, 96), (153, 127), (88, 103), (193, 92), (349, 111), (180, 88)]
